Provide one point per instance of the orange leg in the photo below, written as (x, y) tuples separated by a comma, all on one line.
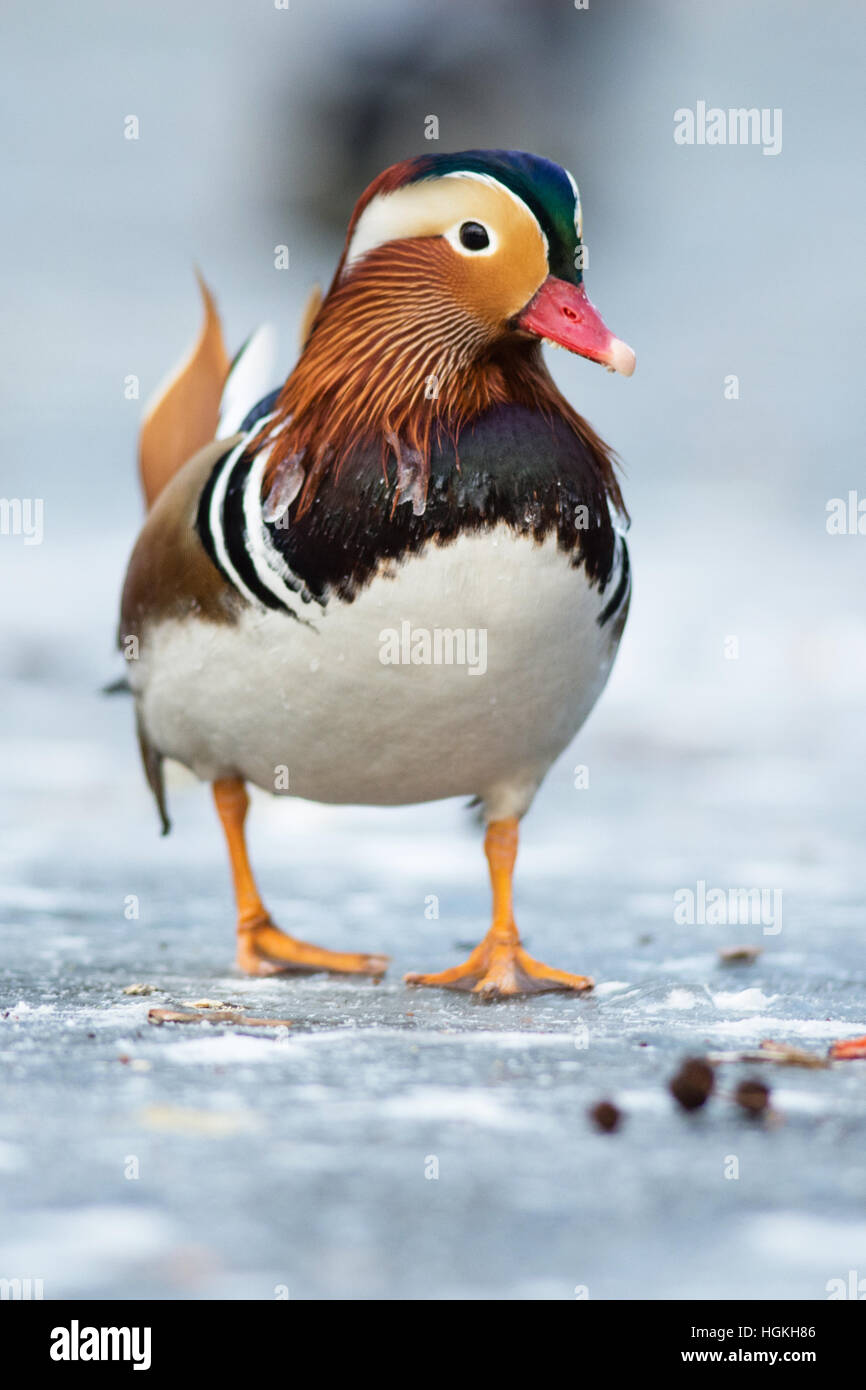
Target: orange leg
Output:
[(262, 948), (500, 967)]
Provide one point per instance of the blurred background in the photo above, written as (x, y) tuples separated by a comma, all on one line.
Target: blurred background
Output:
[(260, 127)]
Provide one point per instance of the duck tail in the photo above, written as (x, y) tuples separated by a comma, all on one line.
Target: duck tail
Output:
[(184, 415)]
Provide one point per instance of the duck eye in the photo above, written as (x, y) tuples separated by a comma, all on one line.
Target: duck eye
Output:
[(473, 236)]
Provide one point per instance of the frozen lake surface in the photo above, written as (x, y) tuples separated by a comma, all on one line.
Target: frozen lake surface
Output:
[(298, 1158)]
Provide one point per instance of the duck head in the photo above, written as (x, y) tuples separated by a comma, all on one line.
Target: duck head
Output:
[(455, 268), (503, 248)]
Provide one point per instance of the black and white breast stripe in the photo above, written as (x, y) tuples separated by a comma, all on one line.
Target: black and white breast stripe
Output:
[(513, 470), (620, 596), (235, 535)]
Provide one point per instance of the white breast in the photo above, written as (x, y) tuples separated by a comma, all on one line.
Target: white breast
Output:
[(464, 671)]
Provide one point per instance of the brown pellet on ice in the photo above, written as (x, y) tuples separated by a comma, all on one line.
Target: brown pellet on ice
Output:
[(605, 1116), (753, 1096), (693, 1083)]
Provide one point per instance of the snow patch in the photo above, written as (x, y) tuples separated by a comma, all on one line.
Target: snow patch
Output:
[(743, 1000), (224, 1049), (24, 1010), (475, 1107), (766, 1026), (682, 999)]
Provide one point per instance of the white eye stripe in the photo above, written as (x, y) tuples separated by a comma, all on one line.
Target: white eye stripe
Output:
[(397, 215), (578, 210)]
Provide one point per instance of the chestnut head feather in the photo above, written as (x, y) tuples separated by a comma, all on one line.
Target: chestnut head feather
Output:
[(455, 268)]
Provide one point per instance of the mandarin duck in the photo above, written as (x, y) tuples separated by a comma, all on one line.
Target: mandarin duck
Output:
[(401, 575)]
